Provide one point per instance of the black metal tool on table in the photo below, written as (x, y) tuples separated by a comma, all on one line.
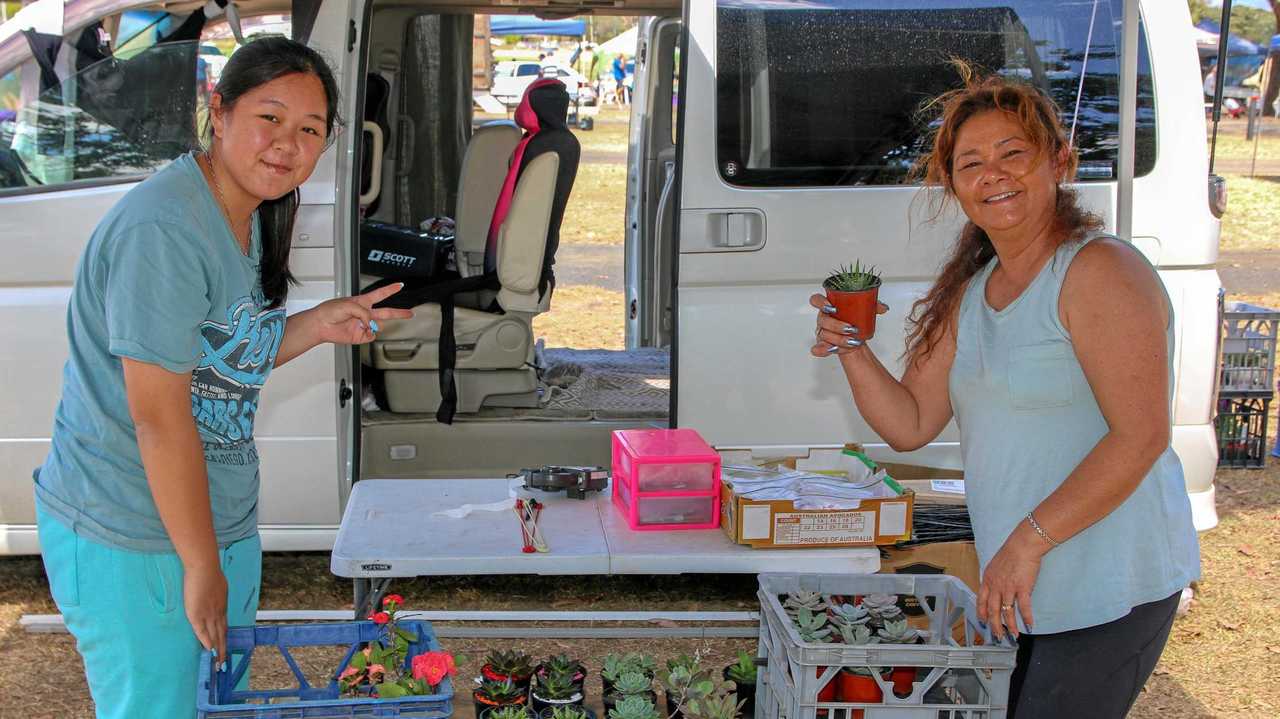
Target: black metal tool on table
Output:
[(575, 481)]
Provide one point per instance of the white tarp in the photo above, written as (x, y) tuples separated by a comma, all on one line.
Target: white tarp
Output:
[(622, 43)]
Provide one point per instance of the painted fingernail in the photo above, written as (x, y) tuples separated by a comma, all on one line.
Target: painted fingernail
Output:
[(832, 349), (849, 330), (223, 668), (851, 342), (829, 309), (373, 325)]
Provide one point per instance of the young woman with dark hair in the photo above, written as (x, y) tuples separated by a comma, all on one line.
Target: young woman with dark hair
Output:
[(1050, 344), (147, 502)]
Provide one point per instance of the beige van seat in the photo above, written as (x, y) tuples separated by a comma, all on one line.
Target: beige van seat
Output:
[(494, 348)]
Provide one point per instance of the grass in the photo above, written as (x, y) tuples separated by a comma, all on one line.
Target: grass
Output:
[(1233, 145), (582, 317), (1253, 214)]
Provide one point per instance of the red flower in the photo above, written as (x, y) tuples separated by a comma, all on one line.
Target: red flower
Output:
[(380, 617), (393, 598), (433, 667)]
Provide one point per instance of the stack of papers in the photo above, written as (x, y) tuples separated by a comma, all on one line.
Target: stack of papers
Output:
[(808, 490)]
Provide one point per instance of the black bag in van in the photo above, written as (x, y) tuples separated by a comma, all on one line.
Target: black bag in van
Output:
[(398, 252)]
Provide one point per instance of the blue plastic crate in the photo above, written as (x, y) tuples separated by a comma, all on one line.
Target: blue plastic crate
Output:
[(217, 698)]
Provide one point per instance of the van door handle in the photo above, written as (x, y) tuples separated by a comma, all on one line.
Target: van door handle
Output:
[(727, 230)]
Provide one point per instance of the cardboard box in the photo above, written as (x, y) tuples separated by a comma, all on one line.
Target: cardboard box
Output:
[(777, 524), (959, 559)]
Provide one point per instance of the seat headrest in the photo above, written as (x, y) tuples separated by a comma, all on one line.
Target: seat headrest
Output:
[(545, 106)]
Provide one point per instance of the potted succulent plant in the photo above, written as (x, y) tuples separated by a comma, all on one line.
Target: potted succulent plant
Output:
[(510, 711), (630, 684), (635, 707), (720, 705), (857, 684), (897, 631), (555, 689), (567, 711), (743, 675), (615, 665), (855, 293), (492, 694), (676, 679), (514, 665), (561, 664), (686, 683), (813, 628)]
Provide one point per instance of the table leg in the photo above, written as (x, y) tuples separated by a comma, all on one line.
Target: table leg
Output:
[(368, 595)]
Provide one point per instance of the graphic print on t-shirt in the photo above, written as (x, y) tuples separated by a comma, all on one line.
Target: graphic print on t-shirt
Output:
[(235, 359)]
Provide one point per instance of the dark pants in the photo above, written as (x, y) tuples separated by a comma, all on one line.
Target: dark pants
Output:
[(1094, 672)]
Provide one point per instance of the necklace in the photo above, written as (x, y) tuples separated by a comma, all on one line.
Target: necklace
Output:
[(222, 202)]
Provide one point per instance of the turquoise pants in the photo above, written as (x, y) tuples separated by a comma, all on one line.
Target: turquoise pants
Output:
[(126, 612)]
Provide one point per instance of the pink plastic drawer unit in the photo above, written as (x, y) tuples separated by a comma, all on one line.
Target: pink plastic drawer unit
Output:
[(666, 479)]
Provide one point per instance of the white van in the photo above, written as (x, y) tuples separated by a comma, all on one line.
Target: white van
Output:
[(769, 142)]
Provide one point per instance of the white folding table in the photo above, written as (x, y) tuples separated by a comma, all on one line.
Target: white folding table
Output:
[(396, 528)]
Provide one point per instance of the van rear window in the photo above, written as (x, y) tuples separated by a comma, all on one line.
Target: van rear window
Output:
[(827, 92)]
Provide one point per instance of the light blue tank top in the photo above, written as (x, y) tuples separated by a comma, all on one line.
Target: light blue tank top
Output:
[(1027, 418)]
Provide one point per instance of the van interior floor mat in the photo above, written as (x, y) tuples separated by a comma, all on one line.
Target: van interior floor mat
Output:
[(607, 384), (577, 386)]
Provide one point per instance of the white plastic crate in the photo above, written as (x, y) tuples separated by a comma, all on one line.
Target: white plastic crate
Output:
[(1248, 349), (966, 679)]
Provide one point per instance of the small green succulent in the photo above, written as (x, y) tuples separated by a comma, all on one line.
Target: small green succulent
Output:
[(743, 671), (637, 707), (843, 614), (504, 692), (514, 663), (857, 634), (812, 627), (556, 687), (633, 683), (684, 660), (615, 665), (852, 279), (510, 711), (568, 711), (561, 664), (898, 632), (801, 599), (716, 706)]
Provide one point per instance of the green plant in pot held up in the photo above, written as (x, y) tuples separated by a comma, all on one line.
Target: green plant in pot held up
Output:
[(855, 293)]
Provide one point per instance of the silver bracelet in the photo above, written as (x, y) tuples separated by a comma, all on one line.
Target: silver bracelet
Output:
[(1040, 530)]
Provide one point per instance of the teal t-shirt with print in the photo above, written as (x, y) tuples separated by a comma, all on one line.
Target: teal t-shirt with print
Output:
[(161, 281)]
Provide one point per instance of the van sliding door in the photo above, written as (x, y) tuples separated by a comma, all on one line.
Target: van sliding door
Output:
[(800, 135)]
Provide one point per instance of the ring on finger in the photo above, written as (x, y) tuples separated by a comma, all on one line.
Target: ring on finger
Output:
[(1005, 607)]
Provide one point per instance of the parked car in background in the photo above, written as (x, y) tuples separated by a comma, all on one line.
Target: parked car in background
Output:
[(512, 77)]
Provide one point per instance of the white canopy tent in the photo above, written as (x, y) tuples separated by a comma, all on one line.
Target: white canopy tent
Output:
[(624, 42)]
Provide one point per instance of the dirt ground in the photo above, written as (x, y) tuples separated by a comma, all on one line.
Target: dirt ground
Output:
[(1219, 659)]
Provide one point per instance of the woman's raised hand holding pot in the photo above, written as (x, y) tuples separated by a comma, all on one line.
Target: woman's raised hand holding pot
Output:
[(834, 335)]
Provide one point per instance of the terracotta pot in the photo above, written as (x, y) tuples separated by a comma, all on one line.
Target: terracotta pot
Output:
[(860, 688), (827, 693), (857, 308), (521, 681), (903, 680), (482, 702)]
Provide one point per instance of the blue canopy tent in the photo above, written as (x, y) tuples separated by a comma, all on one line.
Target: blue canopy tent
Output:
[(532, 25), (1236, 45)]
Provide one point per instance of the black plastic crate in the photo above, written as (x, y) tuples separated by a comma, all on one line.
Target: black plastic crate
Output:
[(1241, 427)]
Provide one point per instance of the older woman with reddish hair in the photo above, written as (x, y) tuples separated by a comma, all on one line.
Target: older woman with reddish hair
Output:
[(1050, 343)]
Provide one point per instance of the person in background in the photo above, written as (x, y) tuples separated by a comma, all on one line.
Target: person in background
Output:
[(146, 504), (1051, 345), (619, 70)]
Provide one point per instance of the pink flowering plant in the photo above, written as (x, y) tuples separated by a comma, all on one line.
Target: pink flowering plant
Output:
[(380, 668)]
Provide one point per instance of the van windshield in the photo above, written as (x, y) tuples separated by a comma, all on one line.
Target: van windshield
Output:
[(827, 92)]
